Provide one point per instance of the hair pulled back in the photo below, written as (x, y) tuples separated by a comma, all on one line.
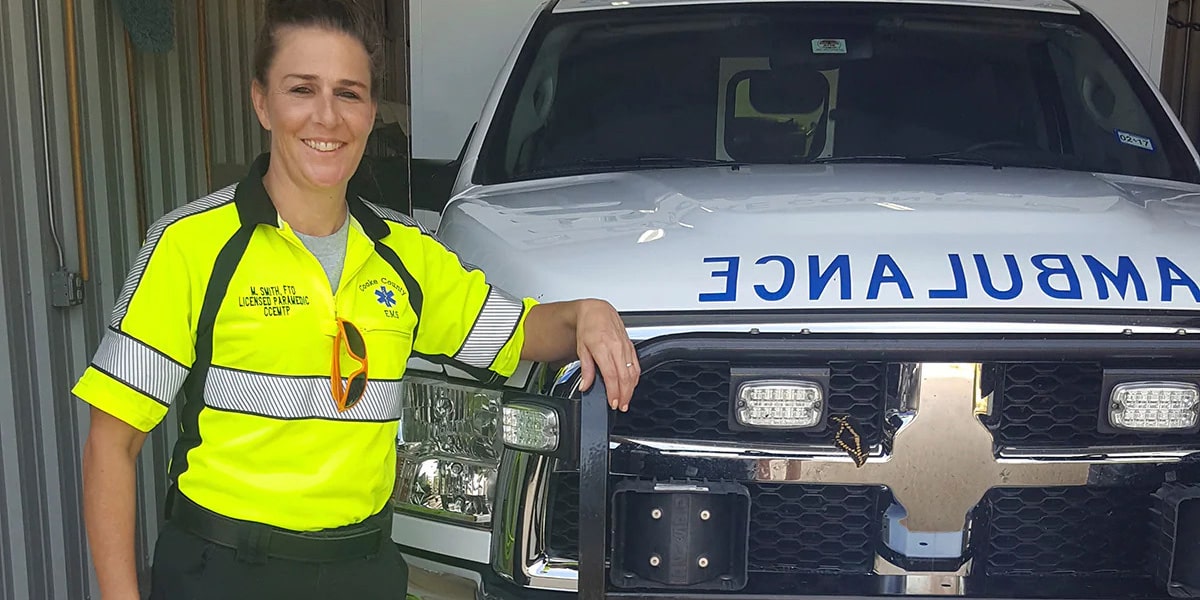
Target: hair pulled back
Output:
[(344, 16)]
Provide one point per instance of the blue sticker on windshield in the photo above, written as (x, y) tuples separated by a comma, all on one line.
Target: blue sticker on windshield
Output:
[(1136, 141)]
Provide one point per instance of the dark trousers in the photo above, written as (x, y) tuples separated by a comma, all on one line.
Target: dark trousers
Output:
[(187, 567)]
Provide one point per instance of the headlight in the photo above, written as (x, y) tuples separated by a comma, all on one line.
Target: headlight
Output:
[(448, 450), (451, 436)]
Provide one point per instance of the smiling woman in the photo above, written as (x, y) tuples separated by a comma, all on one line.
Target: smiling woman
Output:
[(315, 89), (285, 308)]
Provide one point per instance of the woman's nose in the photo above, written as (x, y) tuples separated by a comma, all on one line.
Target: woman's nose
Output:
[(325, 111)]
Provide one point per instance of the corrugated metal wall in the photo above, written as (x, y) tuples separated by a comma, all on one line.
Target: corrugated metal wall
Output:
[(42, 348), (237, 137)]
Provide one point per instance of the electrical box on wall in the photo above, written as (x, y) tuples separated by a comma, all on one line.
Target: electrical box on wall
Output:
[(66, 289)]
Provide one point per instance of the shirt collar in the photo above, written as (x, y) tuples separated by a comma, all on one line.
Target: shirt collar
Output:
[(255, 208)]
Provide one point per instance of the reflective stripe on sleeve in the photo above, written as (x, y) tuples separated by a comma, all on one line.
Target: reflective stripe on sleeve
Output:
[(280, 397), (140, 367), (492, 329)]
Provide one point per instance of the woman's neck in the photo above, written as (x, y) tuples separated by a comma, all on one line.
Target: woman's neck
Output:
[(309, 211)]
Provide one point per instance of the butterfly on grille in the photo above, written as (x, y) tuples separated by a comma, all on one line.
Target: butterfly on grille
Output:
[(848, 439)]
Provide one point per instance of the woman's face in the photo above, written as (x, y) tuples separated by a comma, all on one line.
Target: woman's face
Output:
[(316, 102)]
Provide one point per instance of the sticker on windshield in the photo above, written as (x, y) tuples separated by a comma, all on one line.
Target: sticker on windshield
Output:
[(1136, 141), (829, 46)]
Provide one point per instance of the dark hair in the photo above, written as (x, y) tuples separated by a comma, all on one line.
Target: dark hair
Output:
[(344, 16)]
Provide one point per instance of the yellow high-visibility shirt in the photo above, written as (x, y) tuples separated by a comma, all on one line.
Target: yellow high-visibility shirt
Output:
[(225, 304)]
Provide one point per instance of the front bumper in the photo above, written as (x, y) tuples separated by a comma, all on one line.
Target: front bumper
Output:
[(441, 578)]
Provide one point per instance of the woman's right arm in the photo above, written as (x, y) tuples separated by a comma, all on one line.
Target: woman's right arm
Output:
[(109, 470)]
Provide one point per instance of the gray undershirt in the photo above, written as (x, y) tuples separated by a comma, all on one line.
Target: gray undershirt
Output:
[(330, 251)]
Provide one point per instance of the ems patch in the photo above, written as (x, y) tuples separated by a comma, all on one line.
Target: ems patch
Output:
[(385, 296), (386, 293)]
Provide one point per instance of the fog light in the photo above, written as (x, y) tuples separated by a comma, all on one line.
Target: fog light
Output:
[(533, 428), (450, 487), (780, 405), (1154, 406)]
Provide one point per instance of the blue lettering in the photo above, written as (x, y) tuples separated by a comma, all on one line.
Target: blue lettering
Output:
[(730, 274), (789, 279), (817, 283), (1064, 268), (1173, 276), (1126, 272), (985, 277), (960, 281), (887, 271)]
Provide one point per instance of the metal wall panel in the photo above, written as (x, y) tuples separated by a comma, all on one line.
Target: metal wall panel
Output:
[(43, 555), (237, 136), (43, 349)]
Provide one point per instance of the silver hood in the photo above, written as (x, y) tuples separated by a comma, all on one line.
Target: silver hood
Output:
[(842, 237)]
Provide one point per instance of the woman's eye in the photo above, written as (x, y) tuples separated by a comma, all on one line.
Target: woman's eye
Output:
[(301, 90), (349, 95)]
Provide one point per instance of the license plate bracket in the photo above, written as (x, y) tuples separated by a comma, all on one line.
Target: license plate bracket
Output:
[(680, 535)]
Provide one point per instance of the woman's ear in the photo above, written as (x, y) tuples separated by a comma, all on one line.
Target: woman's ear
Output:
[(258, 96)]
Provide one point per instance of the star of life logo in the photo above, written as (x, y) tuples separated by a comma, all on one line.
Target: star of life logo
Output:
[(385, 296)]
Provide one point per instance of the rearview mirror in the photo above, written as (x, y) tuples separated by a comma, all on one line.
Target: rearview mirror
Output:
[(787, 92)]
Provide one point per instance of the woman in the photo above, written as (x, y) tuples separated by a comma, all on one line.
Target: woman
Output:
[(285, 310)]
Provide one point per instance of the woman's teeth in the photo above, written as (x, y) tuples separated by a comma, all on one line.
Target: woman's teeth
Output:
[(323, 146)]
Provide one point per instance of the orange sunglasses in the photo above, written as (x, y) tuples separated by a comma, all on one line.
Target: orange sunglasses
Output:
[(346, 396)]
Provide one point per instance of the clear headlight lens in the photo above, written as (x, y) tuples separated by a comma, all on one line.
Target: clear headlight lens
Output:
[(448, 450), (1154, 406), (528, 427), (780, 405)]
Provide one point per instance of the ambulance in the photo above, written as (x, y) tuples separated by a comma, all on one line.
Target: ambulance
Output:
[(915, 286)]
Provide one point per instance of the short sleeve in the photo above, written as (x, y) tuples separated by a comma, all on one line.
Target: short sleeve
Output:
[(148, 348), (465, 318)]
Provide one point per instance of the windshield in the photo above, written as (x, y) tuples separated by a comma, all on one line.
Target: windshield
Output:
[(811, 82)]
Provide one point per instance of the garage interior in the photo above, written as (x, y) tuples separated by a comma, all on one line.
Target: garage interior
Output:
[(115, 113)]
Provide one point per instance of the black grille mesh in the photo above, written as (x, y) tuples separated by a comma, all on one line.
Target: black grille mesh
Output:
[(564, 515), (813, 528), (690, 400), (1066, 531), (1058, 405), (793, 528)]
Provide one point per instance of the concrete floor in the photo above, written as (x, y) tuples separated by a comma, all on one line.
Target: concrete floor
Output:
[(424, 585)]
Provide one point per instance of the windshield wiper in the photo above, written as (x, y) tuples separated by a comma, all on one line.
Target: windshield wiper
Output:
[(956, 158), (588, 165), (981, 158)]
